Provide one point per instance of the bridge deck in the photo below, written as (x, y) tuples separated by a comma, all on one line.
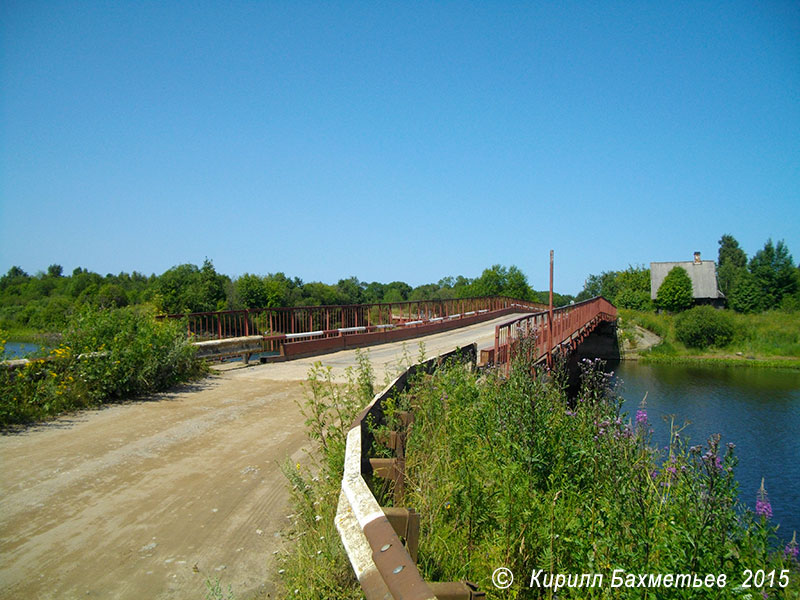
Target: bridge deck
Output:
[(385, 358)]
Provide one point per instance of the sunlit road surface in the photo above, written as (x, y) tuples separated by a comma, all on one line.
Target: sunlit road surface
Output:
[(152, 499)]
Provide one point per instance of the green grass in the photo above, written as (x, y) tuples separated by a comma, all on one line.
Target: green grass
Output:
[(511, 472), (770, 339), (315, 564), (654, 358)]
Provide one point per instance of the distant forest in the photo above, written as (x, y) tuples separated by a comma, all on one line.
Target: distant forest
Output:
[(45, 300)]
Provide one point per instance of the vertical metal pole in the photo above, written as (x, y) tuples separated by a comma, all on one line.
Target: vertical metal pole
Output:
[(497, 344), (550, 317)]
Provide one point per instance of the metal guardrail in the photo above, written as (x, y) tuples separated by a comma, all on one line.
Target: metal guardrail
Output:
[(371, 534), (329, 321), (561, 327)]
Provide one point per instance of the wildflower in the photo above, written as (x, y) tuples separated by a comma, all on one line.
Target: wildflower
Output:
[(790, 551), (641, 418), (763, 507)]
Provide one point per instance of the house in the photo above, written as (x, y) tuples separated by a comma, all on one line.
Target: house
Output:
[(703, 274)]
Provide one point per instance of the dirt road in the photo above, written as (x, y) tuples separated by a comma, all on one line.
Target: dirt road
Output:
[(151, 499)]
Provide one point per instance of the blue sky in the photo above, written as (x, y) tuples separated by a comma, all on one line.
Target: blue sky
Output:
[(395, 140)]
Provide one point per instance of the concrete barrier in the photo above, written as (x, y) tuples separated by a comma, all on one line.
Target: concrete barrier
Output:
[(384, 566)]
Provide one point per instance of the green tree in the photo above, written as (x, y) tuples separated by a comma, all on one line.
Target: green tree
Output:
[(373, 292), (633, 288), (186, 288), (774, 271), (516, 284), (605, 284), (424, 292), (111, 295), (498, 280), (731, 260), (316, 293), (212, 286), (745, 294), (252, 292), (350, 290), (675, 293), (397, 291)]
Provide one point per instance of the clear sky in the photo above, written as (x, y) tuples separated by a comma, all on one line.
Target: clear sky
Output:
[(395, 140)]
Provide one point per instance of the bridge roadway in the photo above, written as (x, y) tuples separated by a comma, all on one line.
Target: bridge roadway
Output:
[(150, 499)]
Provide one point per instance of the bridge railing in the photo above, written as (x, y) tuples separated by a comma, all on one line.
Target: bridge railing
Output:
[(301, 323), (570, 324), (371, 534)]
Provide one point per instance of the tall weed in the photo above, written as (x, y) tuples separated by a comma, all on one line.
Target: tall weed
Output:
[(316, 565), (104, 355)]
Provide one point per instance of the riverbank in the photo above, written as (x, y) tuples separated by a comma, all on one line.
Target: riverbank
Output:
[(766, 340)]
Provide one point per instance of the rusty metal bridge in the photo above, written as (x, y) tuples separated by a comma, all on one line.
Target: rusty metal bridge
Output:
[(285, 333), (382, 542)]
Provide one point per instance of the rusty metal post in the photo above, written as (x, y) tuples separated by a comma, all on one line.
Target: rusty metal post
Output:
[(550, 317), (496, 344)]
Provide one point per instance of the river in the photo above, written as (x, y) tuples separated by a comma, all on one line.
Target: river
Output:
[(18, 350), (756, 409)]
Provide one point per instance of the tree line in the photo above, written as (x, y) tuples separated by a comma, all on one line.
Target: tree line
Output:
[(45, 300), (769, 279)]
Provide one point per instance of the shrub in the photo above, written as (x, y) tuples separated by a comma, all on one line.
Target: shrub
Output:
[(633, 299), (675, 293), (704, 326), (104, 355)]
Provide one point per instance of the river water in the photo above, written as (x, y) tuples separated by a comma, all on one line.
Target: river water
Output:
[(756, 409), (18, 350)]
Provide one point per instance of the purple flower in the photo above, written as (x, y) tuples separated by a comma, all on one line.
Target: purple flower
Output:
[(641, 418), (763, 507), (791, 548)]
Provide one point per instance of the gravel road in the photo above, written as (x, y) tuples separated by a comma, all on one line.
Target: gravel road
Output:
[(151, 499)]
